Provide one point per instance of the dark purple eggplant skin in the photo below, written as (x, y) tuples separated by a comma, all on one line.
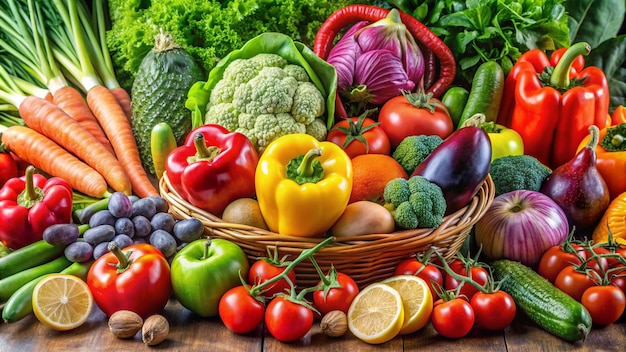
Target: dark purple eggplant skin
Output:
[(459, 165)]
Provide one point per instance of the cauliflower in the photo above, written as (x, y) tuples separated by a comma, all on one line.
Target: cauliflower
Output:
[(265, 97), (415, 203)]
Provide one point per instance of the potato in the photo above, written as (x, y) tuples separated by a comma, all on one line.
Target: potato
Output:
[(363, 217)]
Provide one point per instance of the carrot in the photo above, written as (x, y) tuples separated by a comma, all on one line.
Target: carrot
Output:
[(118, 129), (45, 154), (49, 120), (70, 100), (123, 98)]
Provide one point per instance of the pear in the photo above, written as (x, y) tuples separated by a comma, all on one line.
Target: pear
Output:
[(578, 188)]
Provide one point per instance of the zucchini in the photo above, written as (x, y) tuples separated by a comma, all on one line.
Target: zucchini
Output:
[(27, 257), (20, 304), (9, 285), (162, 142), (550, 308), (485, 94), (159, 93)]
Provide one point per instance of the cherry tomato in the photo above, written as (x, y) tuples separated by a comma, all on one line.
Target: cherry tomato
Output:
[(399, 118), (493, 310), (429, 272), (286, 320), (8, 168), (573, 282), (452, 319), (338, 297), (239, 311), (556, 258), (359, 135), (265, 269), (478, 273), (609, 254), (604, 303)]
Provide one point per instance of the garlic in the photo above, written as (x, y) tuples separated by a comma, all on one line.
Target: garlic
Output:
[(155, 330), (334, 323), (125, 323)]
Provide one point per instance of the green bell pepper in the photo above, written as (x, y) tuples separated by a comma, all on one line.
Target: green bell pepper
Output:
[(204, 270)]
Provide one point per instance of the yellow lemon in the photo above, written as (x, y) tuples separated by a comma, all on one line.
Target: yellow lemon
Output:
[(416, 298), (376, 314), (62, 302)]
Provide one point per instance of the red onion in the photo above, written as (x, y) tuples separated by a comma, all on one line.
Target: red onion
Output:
[(521, 225)]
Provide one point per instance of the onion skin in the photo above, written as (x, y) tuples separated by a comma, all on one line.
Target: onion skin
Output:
[(521, 225)]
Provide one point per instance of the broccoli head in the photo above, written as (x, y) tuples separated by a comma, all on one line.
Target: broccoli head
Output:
[(413, 150), (515, 172), (265, 97), (415, 203)]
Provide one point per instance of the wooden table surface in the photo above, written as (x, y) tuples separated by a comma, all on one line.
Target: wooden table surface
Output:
[(191, 333)]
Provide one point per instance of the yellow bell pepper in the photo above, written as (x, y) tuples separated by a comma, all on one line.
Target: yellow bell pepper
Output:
[(303, 185), (504, 141)]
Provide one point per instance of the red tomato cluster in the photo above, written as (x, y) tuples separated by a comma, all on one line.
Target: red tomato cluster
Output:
[(592, 274), (287, 316)]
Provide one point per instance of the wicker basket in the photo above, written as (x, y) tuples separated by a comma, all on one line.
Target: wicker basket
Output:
[(366, 258)]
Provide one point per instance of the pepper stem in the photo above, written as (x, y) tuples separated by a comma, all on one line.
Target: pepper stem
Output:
[(31, 194), (202, 151), (560, 75), (306, 166), (30, 183)]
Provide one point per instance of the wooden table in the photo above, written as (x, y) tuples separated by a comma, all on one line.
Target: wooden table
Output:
[(191, 333)]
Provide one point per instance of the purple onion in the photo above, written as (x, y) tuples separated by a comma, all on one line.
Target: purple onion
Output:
[(383, 75), (521, 225)]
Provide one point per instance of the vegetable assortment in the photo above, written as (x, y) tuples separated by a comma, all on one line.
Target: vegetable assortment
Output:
[(281, 121)]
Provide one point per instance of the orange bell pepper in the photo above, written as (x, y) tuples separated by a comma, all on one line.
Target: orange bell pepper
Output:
[(619, 115), (611, 157)]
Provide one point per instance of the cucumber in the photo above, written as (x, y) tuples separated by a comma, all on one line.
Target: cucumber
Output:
[(455, 99), (162, 142), (159, 94), (27, 257), (485, 94), (9, 285), (550, 308), (20, 304)]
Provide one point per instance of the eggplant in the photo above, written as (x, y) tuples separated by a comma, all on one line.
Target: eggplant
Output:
[(459, 165)]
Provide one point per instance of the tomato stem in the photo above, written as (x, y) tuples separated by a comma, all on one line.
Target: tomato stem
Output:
[(122, 258)]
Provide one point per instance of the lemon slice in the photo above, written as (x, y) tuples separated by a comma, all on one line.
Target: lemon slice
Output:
[(376, 314), (62, 302), (417, 300)]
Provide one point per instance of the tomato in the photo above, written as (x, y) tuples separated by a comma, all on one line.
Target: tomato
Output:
[(414, 114), (470, 269), (556, 258), (239, 311), (573, 282), (493, 310), (429, 272), (604, 303), (359, 135), (339, 296), (452, 319), (8, 168), (614, 255), (286, 320), (265, 269)]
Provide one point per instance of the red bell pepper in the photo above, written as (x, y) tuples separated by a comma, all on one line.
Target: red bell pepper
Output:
[(213, 168), (31, 203), (136, 279), (552, 107)]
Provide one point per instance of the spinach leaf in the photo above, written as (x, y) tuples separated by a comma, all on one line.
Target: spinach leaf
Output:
[(594, 21), (610, 56)]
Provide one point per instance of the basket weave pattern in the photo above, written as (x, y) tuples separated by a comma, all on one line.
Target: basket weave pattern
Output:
[(366, 258)]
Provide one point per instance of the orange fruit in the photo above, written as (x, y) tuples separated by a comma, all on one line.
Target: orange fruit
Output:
[(370, 174)]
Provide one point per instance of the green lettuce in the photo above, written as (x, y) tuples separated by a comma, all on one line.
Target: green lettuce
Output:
[(207, 29)]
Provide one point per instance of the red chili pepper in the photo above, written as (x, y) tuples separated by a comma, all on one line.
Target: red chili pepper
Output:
[(553, 107), (136, 279), (351, 14), (213, 168), (30, 204)]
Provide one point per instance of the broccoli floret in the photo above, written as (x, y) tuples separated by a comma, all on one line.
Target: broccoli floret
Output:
[(224, 114), (264, 97), (515, 172), (413, 150), (308, 103), (317, 129), (298, 72), (415, 202)]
